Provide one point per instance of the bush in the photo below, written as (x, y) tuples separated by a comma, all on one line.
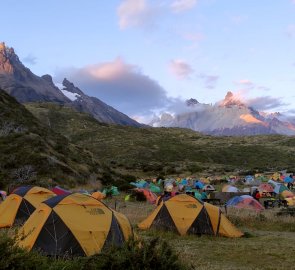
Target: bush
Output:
[(134, 254), (12, 257), (153, 254)]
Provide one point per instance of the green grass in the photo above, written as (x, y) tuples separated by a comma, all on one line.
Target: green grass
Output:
[(167, 151), (269, 241), (31, 152), (268, 244)]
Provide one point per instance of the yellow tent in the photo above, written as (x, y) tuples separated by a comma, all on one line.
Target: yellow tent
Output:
[(287, 194), (186, 215), (276, 176), (19, 205), (74, 224)]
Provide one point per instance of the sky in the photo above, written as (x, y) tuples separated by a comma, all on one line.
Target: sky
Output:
[(144, 57)]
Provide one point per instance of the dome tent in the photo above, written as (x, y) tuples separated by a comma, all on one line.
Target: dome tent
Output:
[(20, 204), (265, 187), (229, 188), (74, 224), (209, 188), (98, 195), (245, 202), (184, 214)]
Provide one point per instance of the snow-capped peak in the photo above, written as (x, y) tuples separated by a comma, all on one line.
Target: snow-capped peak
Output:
[(68, 94)]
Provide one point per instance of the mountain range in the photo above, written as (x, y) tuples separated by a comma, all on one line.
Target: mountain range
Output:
[(230, 117), (18, 81)]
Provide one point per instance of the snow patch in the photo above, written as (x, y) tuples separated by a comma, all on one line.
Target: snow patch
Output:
[(59, 86), (69, 95)]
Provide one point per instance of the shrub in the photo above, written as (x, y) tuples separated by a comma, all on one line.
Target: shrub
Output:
[(13, 257), (153, 254), (134, 254)]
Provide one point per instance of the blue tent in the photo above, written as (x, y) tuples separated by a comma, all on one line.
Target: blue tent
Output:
[(199, 185), (288, 179), (140, 184), (184, 182)]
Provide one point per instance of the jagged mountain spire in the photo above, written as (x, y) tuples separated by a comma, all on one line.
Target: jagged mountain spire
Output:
[(231, 100)]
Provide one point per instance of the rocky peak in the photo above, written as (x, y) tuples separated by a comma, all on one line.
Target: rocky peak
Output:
[(48, 78), (191, 102), (230, 100), (69, 86), (8, 59)]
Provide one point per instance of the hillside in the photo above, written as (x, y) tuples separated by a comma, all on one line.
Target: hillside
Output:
[(167, 151), (21, 83), (31, 152)]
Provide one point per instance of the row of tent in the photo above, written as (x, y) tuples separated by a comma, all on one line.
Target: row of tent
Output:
[(79, 224), (271, 186)]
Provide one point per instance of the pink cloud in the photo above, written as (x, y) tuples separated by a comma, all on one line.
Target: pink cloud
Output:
[(134, 13), (121, 85), (110, 70), (195, 37), (245, 83), (179, 6), (180, 69), (291, 30)]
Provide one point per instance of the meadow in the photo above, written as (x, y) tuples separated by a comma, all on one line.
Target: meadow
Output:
[(268, 242)]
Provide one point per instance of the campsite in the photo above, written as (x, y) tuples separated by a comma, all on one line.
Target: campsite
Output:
[(231, 234), (147, 135)]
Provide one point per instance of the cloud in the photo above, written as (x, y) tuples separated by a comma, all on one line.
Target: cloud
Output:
[(245, 83), (239, 19), (30, 59), (179, 6), (135, 13), (291, 30), (265, 103), (180, 69), (195, 37), (210, 81), (120, 85), (263, 88)]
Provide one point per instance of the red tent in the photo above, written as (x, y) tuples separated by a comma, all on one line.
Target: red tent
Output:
[(60, 191)]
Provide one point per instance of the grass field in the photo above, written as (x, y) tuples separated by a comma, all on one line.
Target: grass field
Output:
[(268, 244)]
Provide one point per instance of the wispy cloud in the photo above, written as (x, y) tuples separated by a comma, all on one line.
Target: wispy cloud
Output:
[(30, 59), (265, 103), (180, 69), (245, 83), (209, 81), (179, 6), (291, 30), (135, 13), (195, 37), (238, 19), (263, 88)]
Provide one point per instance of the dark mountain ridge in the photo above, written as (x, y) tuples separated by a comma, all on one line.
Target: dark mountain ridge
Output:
[(21, 83)]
